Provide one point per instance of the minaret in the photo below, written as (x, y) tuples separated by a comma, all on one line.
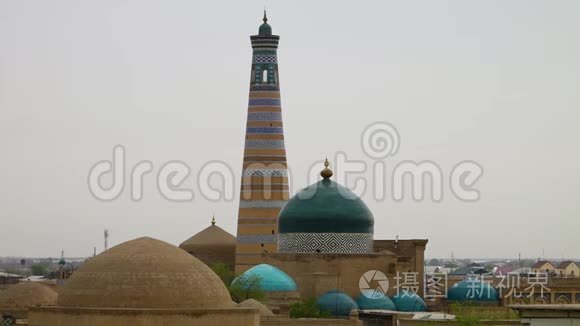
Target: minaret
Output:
[(264, 189)]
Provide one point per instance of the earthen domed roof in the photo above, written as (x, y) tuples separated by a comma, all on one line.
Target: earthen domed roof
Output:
[(28, 294), (144, 273), (212, 236), (251, 303)]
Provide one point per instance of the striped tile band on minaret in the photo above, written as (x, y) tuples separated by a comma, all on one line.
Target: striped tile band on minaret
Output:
[(264, 189)]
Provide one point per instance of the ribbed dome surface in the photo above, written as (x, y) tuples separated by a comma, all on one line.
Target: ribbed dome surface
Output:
[(27, 294), (409, 302), (251, 303), (472, 290), (370, 300), (144, 273), (265, 29), (326, 207), (337, 303), (272, 279)]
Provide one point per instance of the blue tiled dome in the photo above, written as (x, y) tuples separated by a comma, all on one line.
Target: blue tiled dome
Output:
[(409, 302), (265, 28), (337, 303), (367, 301), (326, 207), (272, 279), (472, 290)]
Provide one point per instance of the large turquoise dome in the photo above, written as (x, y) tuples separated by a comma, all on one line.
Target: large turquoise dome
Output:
[(371, 301), (472, 290), (409, 302), (325, 217), (337, 303), (326, 206), (272, 279)]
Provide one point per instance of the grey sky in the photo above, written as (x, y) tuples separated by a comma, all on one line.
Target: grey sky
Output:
[(496, 82)]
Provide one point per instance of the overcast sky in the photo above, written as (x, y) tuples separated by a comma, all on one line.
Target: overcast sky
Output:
[(496, 82)]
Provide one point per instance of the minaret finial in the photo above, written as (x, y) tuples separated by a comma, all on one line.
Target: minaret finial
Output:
[(213, 220), (326, 173)]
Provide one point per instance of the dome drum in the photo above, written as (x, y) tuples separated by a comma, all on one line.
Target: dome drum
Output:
[(338, 243)]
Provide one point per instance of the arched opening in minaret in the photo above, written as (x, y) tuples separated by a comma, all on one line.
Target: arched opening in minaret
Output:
[(265, 76)]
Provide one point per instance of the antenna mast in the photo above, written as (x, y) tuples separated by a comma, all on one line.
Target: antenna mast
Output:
[(106, 234)]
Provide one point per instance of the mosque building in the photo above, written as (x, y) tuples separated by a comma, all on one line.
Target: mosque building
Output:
[(318, 244), (326, 244), (322, 239)]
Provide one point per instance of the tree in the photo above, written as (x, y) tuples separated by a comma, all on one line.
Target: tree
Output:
[(224, 272), (435, 262), (39, 269), (246, 287), (307, 309)]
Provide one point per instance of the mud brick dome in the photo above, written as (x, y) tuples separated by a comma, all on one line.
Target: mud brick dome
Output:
[(144, 273), (212, 245), (27, 294)]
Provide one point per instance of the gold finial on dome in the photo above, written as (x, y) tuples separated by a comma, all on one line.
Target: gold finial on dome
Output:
[(326, 173), (213, 220)]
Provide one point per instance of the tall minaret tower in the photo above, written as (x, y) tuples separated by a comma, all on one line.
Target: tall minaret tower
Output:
[(264, 189)]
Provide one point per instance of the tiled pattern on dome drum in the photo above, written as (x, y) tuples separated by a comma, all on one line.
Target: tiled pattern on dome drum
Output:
[(343, 243), (264, 186)]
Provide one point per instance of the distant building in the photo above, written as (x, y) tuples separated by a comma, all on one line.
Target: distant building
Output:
[(7, 278), (470, 270), (568, 269), (543, 266), (549, 315), (212, 245)]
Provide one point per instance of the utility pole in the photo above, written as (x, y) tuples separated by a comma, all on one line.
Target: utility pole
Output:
[(106, 234)]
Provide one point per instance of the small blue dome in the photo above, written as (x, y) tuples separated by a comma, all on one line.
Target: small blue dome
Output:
[(337, 303), (409, 302), (272, 279), (472, 290), (265, 29), (369, 300)]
